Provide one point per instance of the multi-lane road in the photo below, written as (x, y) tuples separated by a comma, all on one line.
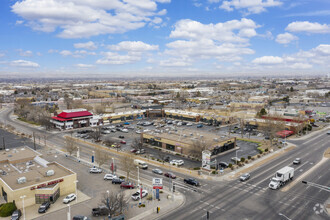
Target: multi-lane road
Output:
[(253, 199)]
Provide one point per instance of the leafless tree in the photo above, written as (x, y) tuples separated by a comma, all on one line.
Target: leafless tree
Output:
[(241, 124), (109, 141), (115, 202), (271, 127), (127, 163), (96, 134), (70, 145), (137, 144), (101, 157), (99, 109), (198, 147)]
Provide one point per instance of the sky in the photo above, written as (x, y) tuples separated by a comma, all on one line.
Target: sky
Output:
[(177, 38)]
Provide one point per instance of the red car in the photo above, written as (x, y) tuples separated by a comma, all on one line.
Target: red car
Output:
[(170, 175), (123, 142), (133, 150), (127, 185)]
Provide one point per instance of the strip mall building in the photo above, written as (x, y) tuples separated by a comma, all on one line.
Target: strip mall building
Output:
[(24, 173)]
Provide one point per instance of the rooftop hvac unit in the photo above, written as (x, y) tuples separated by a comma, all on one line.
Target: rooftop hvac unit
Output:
[(184, 135), (191, 134), (21, 180), (201, 136), (215, 139), (50, 173)]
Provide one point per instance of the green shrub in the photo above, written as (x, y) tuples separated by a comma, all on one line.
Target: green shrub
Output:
[(214, 172), (260, 150), (279, 147), (197, 168), (142, 205), (230, 165), (249, 157), (266, 150), (152, 158), (242, 159), (177, 154), (259, 156), (161, 191), (121, 177), (149, 197), (7, 209)]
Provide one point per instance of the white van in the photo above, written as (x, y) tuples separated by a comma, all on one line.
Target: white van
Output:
[(141, 164)]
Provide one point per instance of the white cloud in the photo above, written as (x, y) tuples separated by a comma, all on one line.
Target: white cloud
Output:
[(2, 54), (85, 18), (24, 63), (226, 41), (76, 54), (117, 59), (88, 45), (84, 66), (285, 38), (251, 6), (267, 60), (308, 27), (26, 53), (133, 46), (65, 53), (18, 22)]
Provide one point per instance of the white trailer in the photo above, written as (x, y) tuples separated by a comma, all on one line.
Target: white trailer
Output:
[(281, 177)]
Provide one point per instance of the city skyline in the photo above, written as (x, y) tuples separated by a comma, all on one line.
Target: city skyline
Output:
[(164, 38)]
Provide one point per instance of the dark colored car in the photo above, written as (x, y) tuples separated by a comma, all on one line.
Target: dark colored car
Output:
[(127, 185), (117, 181), (100, 211), (121, 136), (170, 175), (199, 126), (80, 217), (191, 181), (44, 207), (223, 165), (167, 158), (245, 177), (16, 214)]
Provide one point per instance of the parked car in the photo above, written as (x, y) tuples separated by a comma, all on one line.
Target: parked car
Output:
[(121, 136), (134, 150), (109, 176), (191, 181), (199, 126), (100, 211), (235, 159), (69, 198), (297, 161), (124, 130), (127, 185), (117, 180), (126, 123), (157, 171), (138, 131), (189, 124), (141, 151), (223, 165), (44, 207), (170, 175), (95, 170), (80, 217), (105, 132), (123, 142), (167, 158), (177, 162), (16, 215), (136, 196), (244, 177)]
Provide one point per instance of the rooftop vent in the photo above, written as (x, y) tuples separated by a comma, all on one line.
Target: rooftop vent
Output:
[(50, 173), (21, 180)]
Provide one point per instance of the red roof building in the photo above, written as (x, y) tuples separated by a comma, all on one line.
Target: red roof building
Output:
[(74, 118)]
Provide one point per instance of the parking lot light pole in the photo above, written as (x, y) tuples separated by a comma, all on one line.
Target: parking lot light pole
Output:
[(109, 216), (236, 156), (113, 165), (138, 176), (93, 157), (69, 212), (76, 182), (22, 197)]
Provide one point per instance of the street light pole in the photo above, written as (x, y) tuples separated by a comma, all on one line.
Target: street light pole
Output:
[(69, 213), (22, 197), (76, 182), (109, 216), (113, 165)]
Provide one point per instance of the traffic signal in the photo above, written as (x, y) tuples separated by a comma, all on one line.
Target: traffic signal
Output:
[(207, 215), (173, 187)]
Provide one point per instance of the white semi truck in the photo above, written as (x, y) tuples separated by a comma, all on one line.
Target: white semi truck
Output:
[(281, 177)]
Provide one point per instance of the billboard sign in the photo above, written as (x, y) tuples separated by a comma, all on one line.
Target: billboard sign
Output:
[(206, 160)]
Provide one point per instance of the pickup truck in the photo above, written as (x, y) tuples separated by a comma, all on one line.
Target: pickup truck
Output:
[(99, 211)]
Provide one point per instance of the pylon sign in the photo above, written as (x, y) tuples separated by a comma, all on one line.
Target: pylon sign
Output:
[(206, 159), (157, 183)]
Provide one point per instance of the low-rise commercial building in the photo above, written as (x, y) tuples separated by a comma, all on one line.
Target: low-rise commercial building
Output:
[(24, 174)]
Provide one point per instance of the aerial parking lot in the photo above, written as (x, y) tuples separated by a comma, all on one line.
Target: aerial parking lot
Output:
[(123, 136)]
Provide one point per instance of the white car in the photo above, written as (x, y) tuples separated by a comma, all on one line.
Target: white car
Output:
[(177, 162), (69, 198), (189, 124), (136, 196), (95, 170), (124, 130), (110, 176), (138, 131)]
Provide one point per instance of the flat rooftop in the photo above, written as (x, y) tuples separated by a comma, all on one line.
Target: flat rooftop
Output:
[(189, 136), (16, 155), (34, 174)]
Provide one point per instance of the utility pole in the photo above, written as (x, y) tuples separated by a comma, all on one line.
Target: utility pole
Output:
[(45, 141), (34, 141), (3, 141)]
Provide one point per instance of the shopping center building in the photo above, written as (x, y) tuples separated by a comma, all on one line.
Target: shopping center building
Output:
[(24, 174), (181, 142)]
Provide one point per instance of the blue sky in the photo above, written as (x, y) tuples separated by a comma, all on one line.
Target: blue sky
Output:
[(164, 37)]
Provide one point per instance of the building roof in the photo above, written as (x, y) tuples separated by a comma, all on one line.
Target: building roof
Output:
[(68, 115), (60, 119)]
